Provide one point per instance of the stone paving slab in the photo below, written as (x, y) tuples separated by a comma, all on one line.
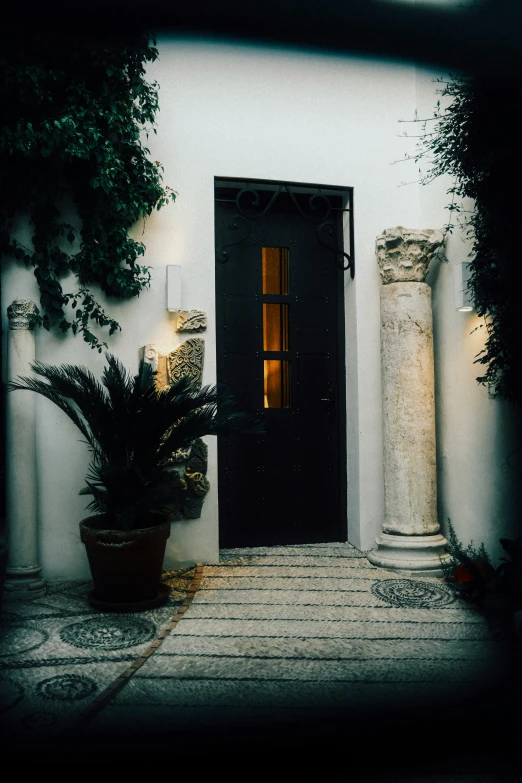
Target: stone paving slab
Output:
[(343, 570), (281, 597), (370, 671), (341, 560), (282, 694), (325, 629), (348, 583), (228, 611), (338, 549), (331, 649)]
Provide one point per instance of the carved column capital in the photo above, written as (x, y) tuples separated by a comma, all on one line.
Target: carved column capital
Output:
[(404, 254), (21, 314)]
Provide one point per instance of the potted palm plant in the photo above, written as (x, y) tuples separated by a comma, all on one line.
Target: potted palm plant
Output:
[(133, 431)]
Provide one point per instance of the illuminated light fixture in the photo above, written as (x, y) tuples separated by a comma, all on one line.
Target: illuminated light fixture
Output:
[(174, 288), (463, 300)]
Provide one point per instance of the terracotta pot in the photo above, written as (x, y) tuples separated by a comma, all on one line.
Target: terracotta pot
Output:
[(126, 565)]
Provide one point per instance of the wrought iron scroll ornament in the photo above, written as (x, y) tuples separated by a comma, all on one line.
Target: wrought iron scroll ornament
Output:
[(320, 211)]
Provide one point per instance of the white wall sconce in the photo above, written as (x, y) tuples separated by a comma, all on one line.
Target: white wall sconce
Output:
[(463, 300), (173, 288)]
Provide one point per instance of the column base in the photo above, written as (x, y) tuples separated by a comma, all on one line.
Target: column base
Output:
[(24, 585), (411, 555)]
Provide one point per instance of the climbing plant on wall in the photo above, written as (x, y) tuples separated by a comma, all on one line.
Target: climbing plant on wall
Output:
[(477, 143), (73, 166)]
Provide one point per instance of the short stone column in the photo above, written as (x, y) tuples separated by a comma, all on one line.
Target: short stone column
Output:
[(411, 542), (23, 571)]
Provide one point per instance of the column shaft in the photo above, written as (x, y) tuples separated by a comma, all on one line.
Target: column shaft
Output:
[(23, 569), (410, 486)]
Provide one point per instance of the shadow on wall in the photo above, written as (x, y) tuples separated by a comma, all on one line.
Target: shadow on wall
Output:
[(479, 456)]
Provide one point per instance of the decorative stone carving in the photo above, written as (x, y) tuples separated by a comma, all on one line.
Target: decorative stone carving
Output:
[(21, 314), (404, 254), (149, 354), (198, 460), (186, 360), (198, 484), (181, 455), (191, 321), (187, 466)]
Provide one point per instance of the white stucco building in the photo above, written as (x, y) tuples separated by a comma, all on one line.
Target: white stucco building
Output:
[(241, 113)]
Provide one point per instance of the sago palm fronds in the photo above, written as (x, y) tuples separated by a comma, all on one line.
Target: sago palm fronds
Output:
[(132, 430)]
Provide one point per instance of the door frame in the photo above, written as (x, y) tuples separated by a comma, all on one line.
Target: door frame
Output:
[(348, 266)]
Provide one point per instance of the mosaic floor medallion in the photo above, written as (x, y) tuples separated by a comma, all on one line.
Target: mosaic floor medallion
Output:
[(409, 594), (17, 637), (11, 693), (66, 687), (108, 633)]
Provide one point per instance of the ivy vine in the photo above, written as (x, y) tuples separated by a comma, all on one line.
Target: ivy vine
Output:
[(477, 143), (75, 112)]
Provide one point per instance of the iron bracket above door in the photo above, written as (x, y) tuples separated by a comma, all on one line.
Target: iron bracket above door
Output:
[(319, 211)]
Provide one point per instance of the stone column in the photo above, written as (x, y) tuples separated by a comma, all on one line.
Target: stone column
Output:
[(411, 542), (23, 571)]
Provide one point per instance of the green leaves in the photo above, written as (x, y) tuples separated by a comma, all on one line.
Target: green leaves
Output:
[(479, 148), (74, 111)]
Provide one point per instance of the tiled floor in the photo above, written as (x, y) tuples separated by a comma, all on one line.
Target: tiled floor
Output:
[(57, 653), (288, 648)]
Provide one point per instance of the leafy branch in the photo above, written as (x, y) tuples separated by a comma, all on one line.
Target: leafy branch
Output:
[(477, 145), (75, 112)]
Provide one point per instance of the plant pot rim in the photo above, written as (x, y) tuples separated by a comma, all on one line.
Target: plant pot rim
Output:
[(90, 532)]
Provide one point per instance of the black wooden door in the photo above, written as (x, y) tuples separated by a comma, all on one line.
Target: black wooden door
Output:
[(280, 347)]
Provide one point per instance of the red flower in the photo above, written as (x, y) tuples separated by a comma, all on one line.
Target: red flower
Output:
[(461, 574)]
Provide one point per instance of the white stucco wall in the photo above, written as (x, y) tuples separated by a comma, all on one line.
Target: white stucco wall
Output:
[(237, 111)]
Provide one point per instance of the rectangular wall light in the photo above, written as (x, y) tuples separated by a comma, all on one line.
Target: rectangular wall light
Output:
[(173, 287), (463, 300)]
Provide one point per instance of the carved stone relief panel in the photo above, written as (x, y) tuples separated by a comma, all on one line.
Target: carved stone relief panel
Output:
[(181, 455), (191, 321), (188, 466), (186, 360), (198, 460), (197, 482)]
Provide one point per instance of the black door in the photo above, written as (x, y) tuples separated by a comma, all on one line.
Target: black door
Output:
[(280, 350)]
